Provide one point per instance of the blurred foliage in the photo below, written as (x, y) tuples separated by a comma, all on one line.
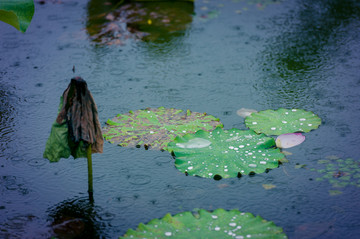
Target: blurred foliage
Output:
[(113, 22), (17, 13)]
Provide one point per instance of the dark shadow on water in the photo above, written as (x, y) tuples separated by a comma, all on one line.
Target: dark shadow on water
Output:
[(77, 218), (113, 22), (300, 57)]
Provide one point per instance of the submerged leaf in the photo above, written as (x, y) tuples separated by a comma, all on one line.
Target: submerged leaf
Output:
[(286, 152), (282, 121), (289, 140), (155, 128), (224, 153), (204, 224), (268, 186), (298, 166), (335, 192)]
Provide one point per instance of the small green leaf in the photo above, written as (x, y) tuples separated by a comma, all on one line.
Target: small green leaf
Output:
[(282, 121), (17, 13)]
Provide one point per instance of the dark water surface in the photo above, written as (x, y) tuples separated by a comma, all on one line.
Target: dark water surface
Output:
[(226, 56)]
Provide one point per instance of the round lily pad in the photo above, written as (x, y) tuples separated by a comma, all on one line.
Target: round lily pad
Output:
[(224, 153), (282, 121), (204, 224), (156, 127)]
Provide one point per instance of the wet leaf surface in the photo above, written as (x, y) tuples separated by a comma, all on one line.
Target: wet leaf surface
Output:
[(224, 153), (282, 121), (155, 127), (204, 224)]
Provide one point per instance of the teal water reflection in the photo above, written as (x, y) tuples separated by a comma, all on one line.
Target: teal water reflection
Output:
[(300, 60)]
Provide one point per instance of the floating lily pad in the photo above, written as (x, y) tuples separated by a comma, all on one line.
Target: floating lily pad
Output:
[(282, 121), (224, 153), (156, 127), (204, 224), (339, 172)]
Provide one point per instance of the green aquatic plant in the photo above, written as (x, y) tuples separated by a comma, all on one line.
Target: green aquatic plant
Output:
[(204, 224), (156, 127), (17, 13), (77, 129), (282, 121), (339, 172), (224, 153)]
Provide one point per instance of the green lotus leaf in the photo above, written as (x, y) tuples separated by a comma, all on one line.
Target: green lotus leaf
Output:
[(224, 153), (156, 127), (17, 13), (217, 224), (282, 121)]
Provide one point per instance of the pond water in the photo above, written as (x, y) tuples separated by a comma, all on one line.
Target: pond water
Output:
[(221, 56)]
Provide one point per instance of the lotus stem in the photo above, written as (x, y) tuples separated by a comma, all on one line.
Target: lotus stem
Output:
[(90, 177)]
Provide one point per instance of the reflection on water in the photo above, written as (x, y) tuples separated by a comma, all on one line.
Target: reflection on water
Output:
[(299, 58), (112, 23), (77, 218)]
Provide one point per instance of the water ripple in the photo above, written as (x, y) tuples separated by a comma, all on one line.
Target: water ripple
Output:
[(139, 179)]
